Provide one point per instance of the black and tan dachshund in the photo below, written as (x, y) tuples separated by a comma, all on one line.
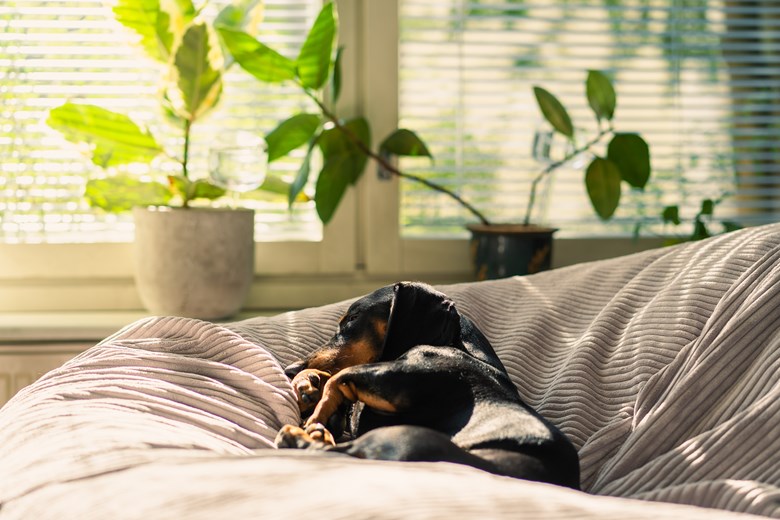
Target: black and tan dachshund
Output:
[(432, 389)]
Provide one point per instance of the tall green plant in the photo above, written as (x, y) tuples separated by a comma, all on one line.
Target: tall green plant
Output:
[(191, 85), (345, 144)]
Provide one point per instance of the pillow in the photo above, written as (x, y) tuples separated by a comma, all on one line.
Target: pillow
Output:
[(165, 383)]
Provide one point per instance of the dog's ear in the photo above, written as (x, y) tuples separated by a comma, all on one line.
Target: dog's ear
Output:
[(294, 368), (419, 315)]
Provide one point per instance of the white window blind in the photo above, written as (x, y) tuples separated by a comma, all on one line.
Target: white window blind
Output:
[(699, 79), (52, 51)]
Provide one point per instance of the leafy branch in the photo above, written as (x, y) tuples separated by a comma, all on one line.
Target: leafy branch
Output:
[(701, 222), (344, 144), (178, 39), (628, 155), (554, 166), (403, 139)]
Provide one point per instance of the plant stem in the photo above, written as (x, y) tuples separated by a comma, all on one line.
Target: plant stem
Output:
[(388, 166), (557, 164), (186, 158)]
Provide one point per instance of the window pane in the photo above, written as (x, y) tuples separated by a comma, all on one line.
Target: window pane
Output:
[(52, 51), (699, 79)]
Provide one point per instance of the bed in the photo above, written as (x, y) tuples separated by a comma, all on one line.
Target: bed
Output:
[(662, 367)]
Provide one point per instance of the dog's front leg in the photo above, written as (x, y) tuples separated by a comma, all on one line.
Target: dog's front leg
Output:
[(334, 393), (314, 434), (354, 384)]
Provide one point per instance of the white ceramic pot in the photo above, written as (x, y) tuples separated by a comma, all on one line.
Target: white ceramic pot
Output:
[(194, 262)]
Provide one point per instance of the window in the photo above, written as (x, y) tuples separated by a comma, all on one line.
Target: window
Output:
[(52, 51), (699, 79), (56, 254)]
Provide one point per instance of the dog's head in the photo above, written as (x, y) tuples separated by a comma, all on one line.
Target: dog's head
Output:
[(384, 325)]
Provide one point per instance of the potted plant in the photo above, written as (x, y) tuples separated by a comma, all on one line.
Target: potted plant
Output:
[(498, 249), (190, 261)]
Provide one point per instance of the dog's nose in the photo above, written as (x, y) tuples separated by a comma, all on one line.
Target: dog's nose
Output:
[(293, 369)]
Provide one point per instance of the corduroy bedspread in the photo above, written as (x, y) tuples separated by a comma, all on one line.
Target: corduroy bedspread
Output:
[(662, 367)]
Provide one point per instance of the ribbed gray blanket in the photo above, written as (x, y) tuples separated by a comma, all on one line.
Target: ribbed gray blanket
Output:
[(662, 367)]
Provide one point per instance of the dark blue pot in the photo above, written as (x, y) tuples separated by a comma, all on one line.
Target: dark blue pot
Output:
[(502, 250)]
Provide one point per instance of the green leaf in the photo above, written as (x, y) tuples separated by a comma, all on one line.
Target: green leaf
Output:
[(182, 13), (707, 207), (602, 180), (302, 177), (333, 181), (274, 189), (198, 81), (258, 59), (203, 189), (554, 112), (671, 214), (631, 155), (123, 192), (404, 142), (335, 80), (275, 185), (190, 190), (241, 14), (601, 95), (700, 231), (152, 24), (186, 10), (335, 141), (114, 138), (179, 185), (344, 164), (291, 134), (313, 63)]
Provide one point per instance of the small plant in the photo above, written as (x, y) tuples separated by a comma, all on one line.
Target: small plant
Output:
[(628, 155), (701, 222), (344, 144), (191, 86)]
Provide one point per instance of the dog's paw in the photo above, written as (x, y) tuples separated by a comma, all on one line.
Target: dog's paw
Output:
[(290, 437), (319, 433), (308, 385), (313, 437)]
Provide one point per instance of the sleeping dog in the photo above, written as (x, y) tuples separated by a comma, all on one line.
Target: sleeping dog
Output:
[(431, 387)]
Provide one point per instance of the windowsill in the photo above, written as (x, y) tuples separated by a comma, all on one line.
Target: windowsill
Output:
[(63, 326), (66, 327), (62, 301)]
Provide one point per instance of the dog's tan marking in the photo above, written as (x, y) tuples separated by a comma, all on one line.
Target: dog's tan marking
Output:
[(332, 397), (376, 402), (380, 327), (336, 391)]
